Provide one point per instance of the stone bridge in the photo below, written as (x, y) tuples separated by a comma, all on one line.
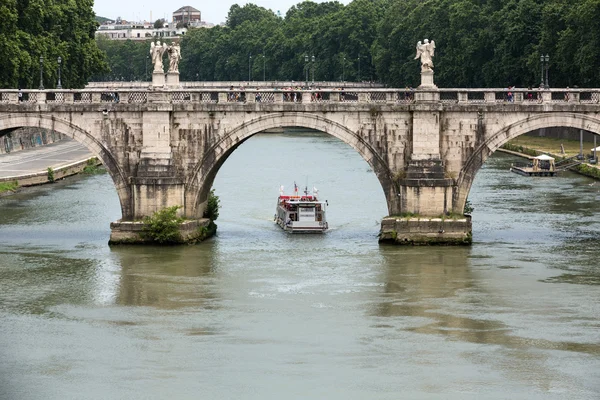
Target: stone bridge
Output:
[(164, 147)]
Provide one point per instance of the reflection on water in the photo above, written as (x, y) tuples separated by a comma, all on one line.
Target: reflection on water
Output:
[(167, 278), (256, 313)]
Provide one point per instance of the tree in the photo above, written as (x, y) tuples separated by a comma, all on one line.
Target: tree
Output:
[(34, 28), (159, 23)]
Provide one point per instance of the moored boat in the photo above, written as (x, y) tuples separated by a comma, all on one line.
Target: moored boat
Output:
[(301, 213)]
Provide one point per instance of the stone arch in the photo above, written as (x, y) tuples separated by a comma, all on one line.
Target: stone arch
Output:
[(200, 181), (492, 143), (39, 120)]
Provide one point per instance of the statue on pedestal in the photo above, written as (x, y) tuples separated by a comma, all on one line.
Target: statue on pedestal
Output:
[(156, 52), (426, 51), (174, 57)]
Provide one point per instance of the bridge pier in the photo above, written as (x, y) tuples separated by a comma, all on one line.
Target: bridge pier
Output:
[(425, 194)]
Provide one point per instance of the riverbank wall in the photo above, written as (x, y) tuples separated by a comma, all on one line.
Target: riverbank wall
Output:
[(27, 138), (43, 177)]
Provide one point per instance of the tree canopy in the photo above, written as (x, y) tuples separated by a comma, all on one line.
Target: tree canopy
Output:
[(480, 43), (50, 29)]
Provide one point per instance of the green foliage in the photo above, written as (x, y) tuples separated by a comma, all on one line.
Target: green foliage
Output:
[(48, 28), (159, 23), (91, 166), (212, 208), (8, 186), (588, 170), (468, 208), (50, 174), (205, 232), (479, 43), (128, 60), (520, 149), (163, 226)]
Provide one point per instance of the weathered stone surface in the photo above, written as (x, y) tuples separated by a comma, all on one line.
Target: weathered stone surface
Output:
[(424, 231)]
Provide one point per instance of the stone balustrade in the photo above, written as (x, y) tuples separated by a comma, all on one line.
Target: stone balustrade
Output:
[(302, 96)]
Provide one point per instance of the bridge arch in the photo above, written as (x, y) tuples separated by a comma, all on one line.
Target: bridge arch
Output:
[(9, 122), (201, 180), (493, 143)]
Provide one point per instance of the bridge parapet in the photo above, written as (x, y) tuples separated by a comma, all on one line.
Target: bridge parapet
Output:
[(303, 96)]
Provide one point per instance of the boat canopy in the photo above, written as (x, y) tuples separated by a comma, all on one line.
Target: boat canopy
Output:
[(549, 165)]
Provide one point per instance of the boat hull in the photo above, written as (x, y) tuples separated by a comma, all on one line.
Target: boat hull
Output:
[(290, 228)]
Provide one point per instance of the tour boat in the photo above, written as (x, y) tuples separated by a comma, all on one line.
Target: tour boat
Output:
[(301, 213)]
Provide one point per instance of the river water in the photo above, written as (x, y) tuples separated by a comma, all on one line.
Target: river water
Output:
[(255, 313)]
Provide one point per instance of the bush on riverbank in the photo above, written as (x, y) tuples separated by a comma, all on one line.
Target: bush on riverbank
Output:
[(50, 174), (8, 186), (91, 167), (588, 170)]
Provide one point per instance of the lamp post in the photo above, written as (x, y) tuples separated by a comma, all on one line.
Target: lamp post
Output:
[(41, 73), (313, 70), (306, 68), (344, 69), (264, 68), (146, 74), (249, 67), (547, 59), (545, 63), (59, 86), (358, 76)]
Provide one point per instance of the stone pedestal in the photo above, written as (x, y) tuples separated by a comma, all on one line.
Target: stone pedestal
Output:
[(158, 79), (427, 80), (173, 79)]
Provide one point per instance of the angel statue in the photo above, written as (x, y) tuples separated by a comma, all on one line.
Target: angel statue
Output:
[(426, 51), (174, 57), (156, 52)]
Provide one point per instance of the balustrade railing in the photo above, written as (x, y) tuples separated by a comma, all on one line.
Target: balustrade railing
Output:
[(232, 97)]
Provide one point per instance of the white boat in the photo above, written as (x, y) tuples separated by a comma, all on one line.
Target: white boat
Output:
[(301, 213)]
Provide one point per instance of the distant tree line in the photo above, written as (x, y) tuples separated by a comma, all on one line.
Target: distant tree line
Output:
[(480, 43)]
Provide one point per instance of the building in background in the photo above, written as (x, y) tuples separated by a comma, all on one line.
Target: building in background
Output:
[(183, 18), (187, 15)]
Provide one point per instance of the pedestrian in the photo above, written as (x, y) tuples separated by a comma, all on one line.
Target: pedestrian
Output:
[(20, 96)]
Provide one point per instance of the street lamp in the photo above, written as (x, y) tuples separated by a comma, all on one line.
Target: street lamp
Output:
[(306, 68), (249, 67), (41, 73), (547, 68), (264, 68), (344, 70), (313, 70), (358, 77), (146, 74), (545, 64), (59, 86)]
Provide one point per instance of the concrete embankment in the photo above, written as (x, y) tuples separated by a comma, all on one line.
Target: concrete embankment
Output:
[(42, 177), (44, 164)]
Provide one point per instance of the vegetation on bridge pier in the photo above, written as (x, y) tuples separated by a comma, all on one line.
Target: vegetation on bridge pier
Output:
[(165, 227)]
